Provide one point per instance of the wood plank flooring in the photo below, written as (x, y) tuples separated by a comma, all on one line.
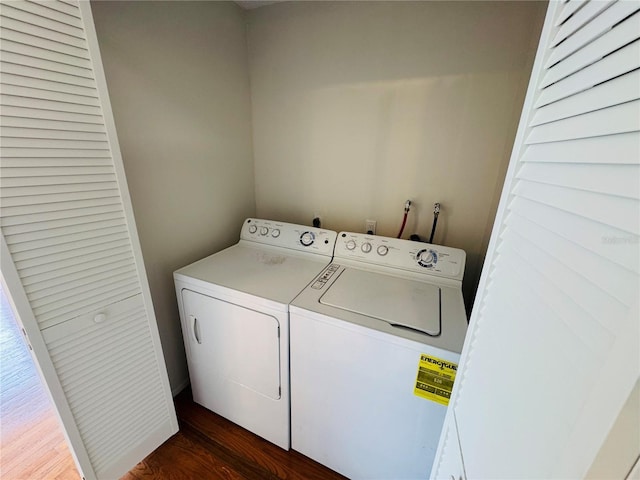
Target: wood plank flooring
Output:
[(32, 445), (210, 447)]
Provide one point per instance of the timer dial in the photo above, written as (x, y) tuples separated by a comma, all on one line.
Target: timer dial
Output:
[(427, 258), (275, 233), (307, 238), (383, 250)]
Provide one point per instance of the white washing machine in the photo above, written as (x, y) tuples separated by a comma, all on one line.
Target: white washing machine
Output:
[(234, 309), (375, 342)]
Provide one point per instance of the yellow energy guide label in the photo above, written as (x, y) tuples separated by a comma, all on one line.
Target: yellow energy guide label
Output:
[(435, 379)]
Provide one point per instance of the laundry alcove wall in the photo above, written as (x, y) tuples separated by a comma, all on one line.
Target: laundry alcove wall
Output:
[(345, 109)]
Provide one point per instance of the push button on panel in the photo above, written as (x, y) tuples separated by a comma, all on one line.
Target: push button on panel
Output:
[(324, 278)]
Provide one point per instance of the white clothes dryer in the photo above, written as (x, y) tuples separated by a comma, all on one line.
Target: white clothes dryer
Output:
[(375, 342), (234, 310)]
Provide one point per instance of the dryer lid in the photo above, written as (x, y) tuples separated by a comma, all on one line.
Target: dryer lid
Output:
[(400, 302)]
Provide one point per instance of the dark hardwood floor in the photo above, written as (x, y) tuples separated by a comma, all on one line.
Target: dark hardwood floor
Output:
[(210, 447)]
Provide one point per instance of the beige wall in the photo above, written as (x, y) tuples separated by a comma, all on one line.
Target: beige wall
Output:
[(359, 106), (178, 81)]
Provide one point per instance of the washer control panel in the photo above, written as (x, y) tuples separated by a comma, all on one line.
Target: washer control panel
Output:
[(289, 235), (403, 254)]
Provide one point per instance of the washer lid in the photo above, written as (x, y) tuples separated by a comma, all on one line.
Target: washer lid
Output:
[(398, 301)]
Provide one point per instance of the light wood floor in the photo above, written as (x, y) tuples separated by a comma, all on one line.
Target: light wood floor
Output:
[(32, 446)]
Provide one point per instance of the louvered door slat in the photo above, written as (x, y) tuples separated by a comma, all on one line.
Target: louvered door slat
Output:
[(53, 152), (30, 133), (40, 94), (10, 80), (551, 305), (610, 17), (612, 40), (35, 53), (87, 290), (596, 338), (580, 18), (44, 104), (41, 73), (84, 281), (90, 233), (10, 22), (595, 206), (83, 212), (607, 121), (602, 305), (46, 199), (569, 9), (18, 10), (43, 10), (56, 125), (618, 282), (53, 248), (32, 231), (57, 172), (31, 193), (51, 268), (50, 115), (618, 63), (623, 180), (53, 144), (581, 230), (57, 257), (553, 341), (48, 65), (615, 149), (63, 8), (614, 92), (70, 279), (43, 43)]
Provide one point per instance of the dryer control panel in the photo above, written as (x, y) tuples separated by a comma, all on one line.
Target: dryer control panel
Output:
[(289, 235), (403, 254)]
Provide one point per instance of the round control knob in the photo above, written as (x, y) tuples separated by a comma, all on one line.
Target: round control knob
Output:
[(366, 247), (351, 244), (264, 230), (426, 258), (307, 238), (383, 250), (275, 233), (253, 229)]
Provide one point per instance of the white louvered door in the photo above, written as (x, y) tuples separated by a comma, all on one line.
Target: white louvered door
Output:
[(553, 349), (71, 259)]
